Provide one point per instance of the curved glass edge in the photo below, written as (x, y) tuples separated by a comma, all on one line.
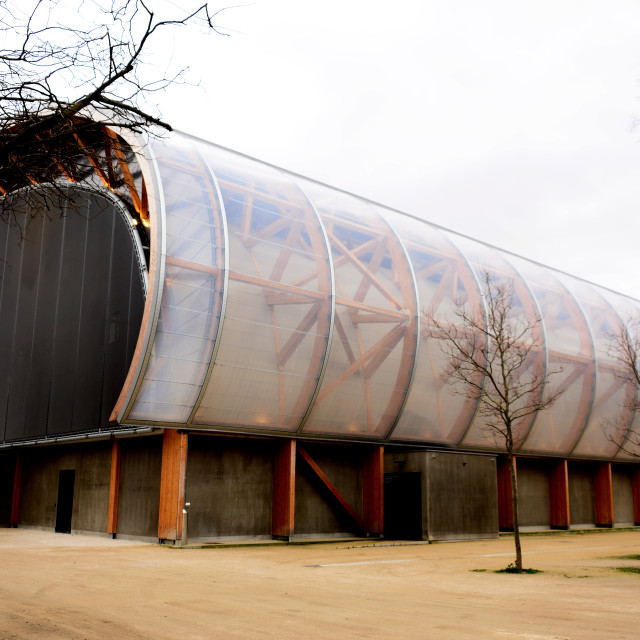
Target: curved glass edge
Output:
[(571, 356), (146, 160), (278, 314), (608, 410), (442, 277), (193, 288), (491, 264), (372, 354)]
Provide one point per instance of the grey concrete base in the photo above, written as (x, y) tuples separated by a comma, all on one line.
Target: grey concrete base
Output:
[(459, 492)]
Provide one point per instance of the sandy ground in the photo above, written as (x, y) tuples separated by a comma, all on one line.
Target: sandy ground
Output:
[(62, 586)]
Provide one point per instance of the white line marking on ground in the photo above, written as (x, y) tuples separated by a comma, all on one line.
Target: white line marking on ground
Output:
[(346, 564)]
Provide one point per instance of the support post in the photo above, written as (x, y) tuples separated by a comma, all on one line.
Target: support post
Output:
[(172, 485), (635, 479), (373, 492), (322, 476), (114, 489), (15, 494), (505, 494), (559, 495), (284, 491), (603, 495)]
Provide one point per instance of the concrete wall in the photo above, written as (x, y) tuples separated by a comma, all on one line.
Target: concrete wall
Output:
[(581, 499), (462, 496), (317, 511), (139, 503), (623, 512), (229, 486), (39, 484), (460, 492), (534, 506)]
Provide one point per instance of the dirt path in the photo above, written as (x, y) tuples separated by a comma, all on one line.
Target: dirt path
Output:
[(57, 586)]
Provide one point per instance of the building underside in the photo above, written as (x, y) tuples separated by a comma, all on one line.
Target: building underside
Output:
[(180, 323)]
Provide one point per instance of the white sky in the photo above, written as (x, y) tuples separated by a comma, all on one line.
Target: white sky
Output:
[(511, 122)]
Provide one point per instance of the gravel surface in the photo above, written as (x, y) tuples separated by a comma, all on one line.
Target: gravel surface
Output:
[(71, 586)]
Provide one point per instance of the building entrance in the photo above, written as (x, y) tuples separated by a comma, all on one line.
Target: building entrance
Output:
[(66, 481)]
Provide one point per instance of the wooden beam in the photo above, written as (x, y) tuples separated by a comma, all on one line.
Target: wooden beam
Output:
[(364, 270), (333, 490), (172, 484), (505, 494), (368, 361), (284, 491), (635, 479), (373, 492), (114, 489), (559, 495), (603, 495), (15, 494)]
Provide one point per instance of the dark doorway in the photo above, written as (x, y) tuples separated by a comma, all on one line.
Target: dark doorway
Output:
[(66, 481), (403, 506)]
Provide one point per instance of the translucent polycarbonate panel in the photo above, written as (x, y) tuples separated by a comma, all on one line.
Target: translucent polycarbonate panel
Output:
[(192, 289), (571, 360), (495, 273), (375, 335), (278, 314), (628, 311), (433, 413), (608, 413)]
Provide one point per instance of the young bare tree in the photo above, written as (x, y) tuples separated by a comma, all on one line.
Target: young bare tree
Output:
[(494, 355), (625, 348), (69, 70)]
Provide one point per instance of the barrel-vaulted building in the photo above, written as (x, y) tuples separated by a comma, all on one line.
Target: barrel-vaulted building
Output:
[(184, 324)]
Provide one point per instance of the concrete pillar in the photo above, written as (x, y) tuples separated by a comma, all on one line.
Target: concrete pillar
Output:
[(284, 491), (172, 484), (559, 495), (114, 489), (603, 495), (15, 494), (373, 492), (635, 479), (505, 494)]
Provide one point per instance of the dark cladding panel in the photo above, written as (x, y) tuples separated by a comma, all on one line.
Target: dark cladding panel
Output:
[(65, 347), (27, 305), (70, 312), (92, 330), (44, 330), (10, 266)]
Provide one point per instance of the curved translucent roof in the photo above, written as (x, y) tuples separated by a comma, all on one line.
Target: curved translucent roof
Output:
[(279, 305)]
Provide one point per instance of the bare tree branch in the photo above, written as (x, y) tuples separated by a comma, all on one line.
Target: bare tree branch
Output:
[(624, 347), (495, 356), (53, 69)]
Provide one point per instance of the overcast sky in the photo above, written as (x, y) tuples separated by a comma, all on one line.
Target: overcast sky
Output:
[(511, 122)]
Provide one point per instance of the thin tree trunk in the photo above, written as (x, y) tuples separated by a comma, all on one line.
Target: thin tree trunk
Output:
[(514, 507)]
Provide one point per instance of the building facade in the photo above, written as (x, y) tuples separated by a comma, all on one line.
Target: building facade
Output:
[(199, 327)]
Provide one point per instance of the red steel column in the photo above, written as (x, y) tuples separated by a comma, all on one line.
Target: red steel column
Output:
[(15, 494), (603, 495), (635, 478), (505, 494), (284, 491), (114, 489), (559, 495), (172, 484), (373, 492)]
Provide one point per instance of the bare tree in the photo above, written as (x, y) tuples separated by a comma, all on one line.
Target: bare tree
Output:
[(625, 348), (494, 355), (70, 75)]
